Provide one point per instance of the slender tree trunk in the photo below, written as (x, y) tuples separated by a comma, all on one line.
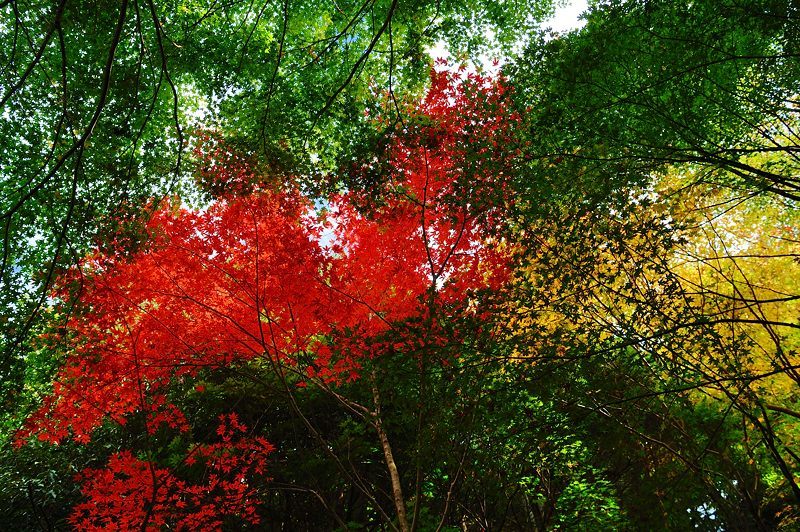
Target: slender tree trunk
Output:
[(397, 490)]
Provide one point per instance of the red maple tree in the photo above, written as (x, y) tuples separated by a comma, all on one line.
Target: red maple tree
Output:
[(253, 278)]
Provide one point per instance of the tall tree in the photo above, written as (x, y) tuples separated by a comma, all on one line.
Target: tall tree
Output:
[(247, 284), (99, 101)]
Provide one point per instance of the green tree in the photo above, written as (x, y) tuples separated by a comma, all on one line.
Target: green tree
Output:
[(648, 84)]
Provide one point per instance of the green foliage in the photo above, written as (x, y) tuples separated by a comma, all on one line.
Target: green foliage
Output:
[(638, 371), (644, 85)]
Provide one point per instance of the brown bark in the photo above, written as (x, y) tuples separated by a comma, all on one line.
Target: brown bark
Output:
[(394, 476)]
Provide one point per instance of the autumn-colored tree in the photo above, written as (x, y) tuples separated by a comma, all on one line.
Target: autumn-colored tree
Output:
[(253, 280)]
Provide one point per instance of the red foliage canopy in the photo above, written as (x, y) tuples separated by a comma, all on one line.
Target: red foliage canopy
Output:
[(253, 277)]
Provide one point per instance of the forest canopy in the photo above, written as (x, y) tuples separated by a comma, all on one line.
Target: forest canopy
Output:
[(272, 266)]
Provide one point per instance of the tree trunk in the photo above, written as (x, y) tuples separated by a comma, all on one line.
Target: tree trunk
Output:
[(397, 490)]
